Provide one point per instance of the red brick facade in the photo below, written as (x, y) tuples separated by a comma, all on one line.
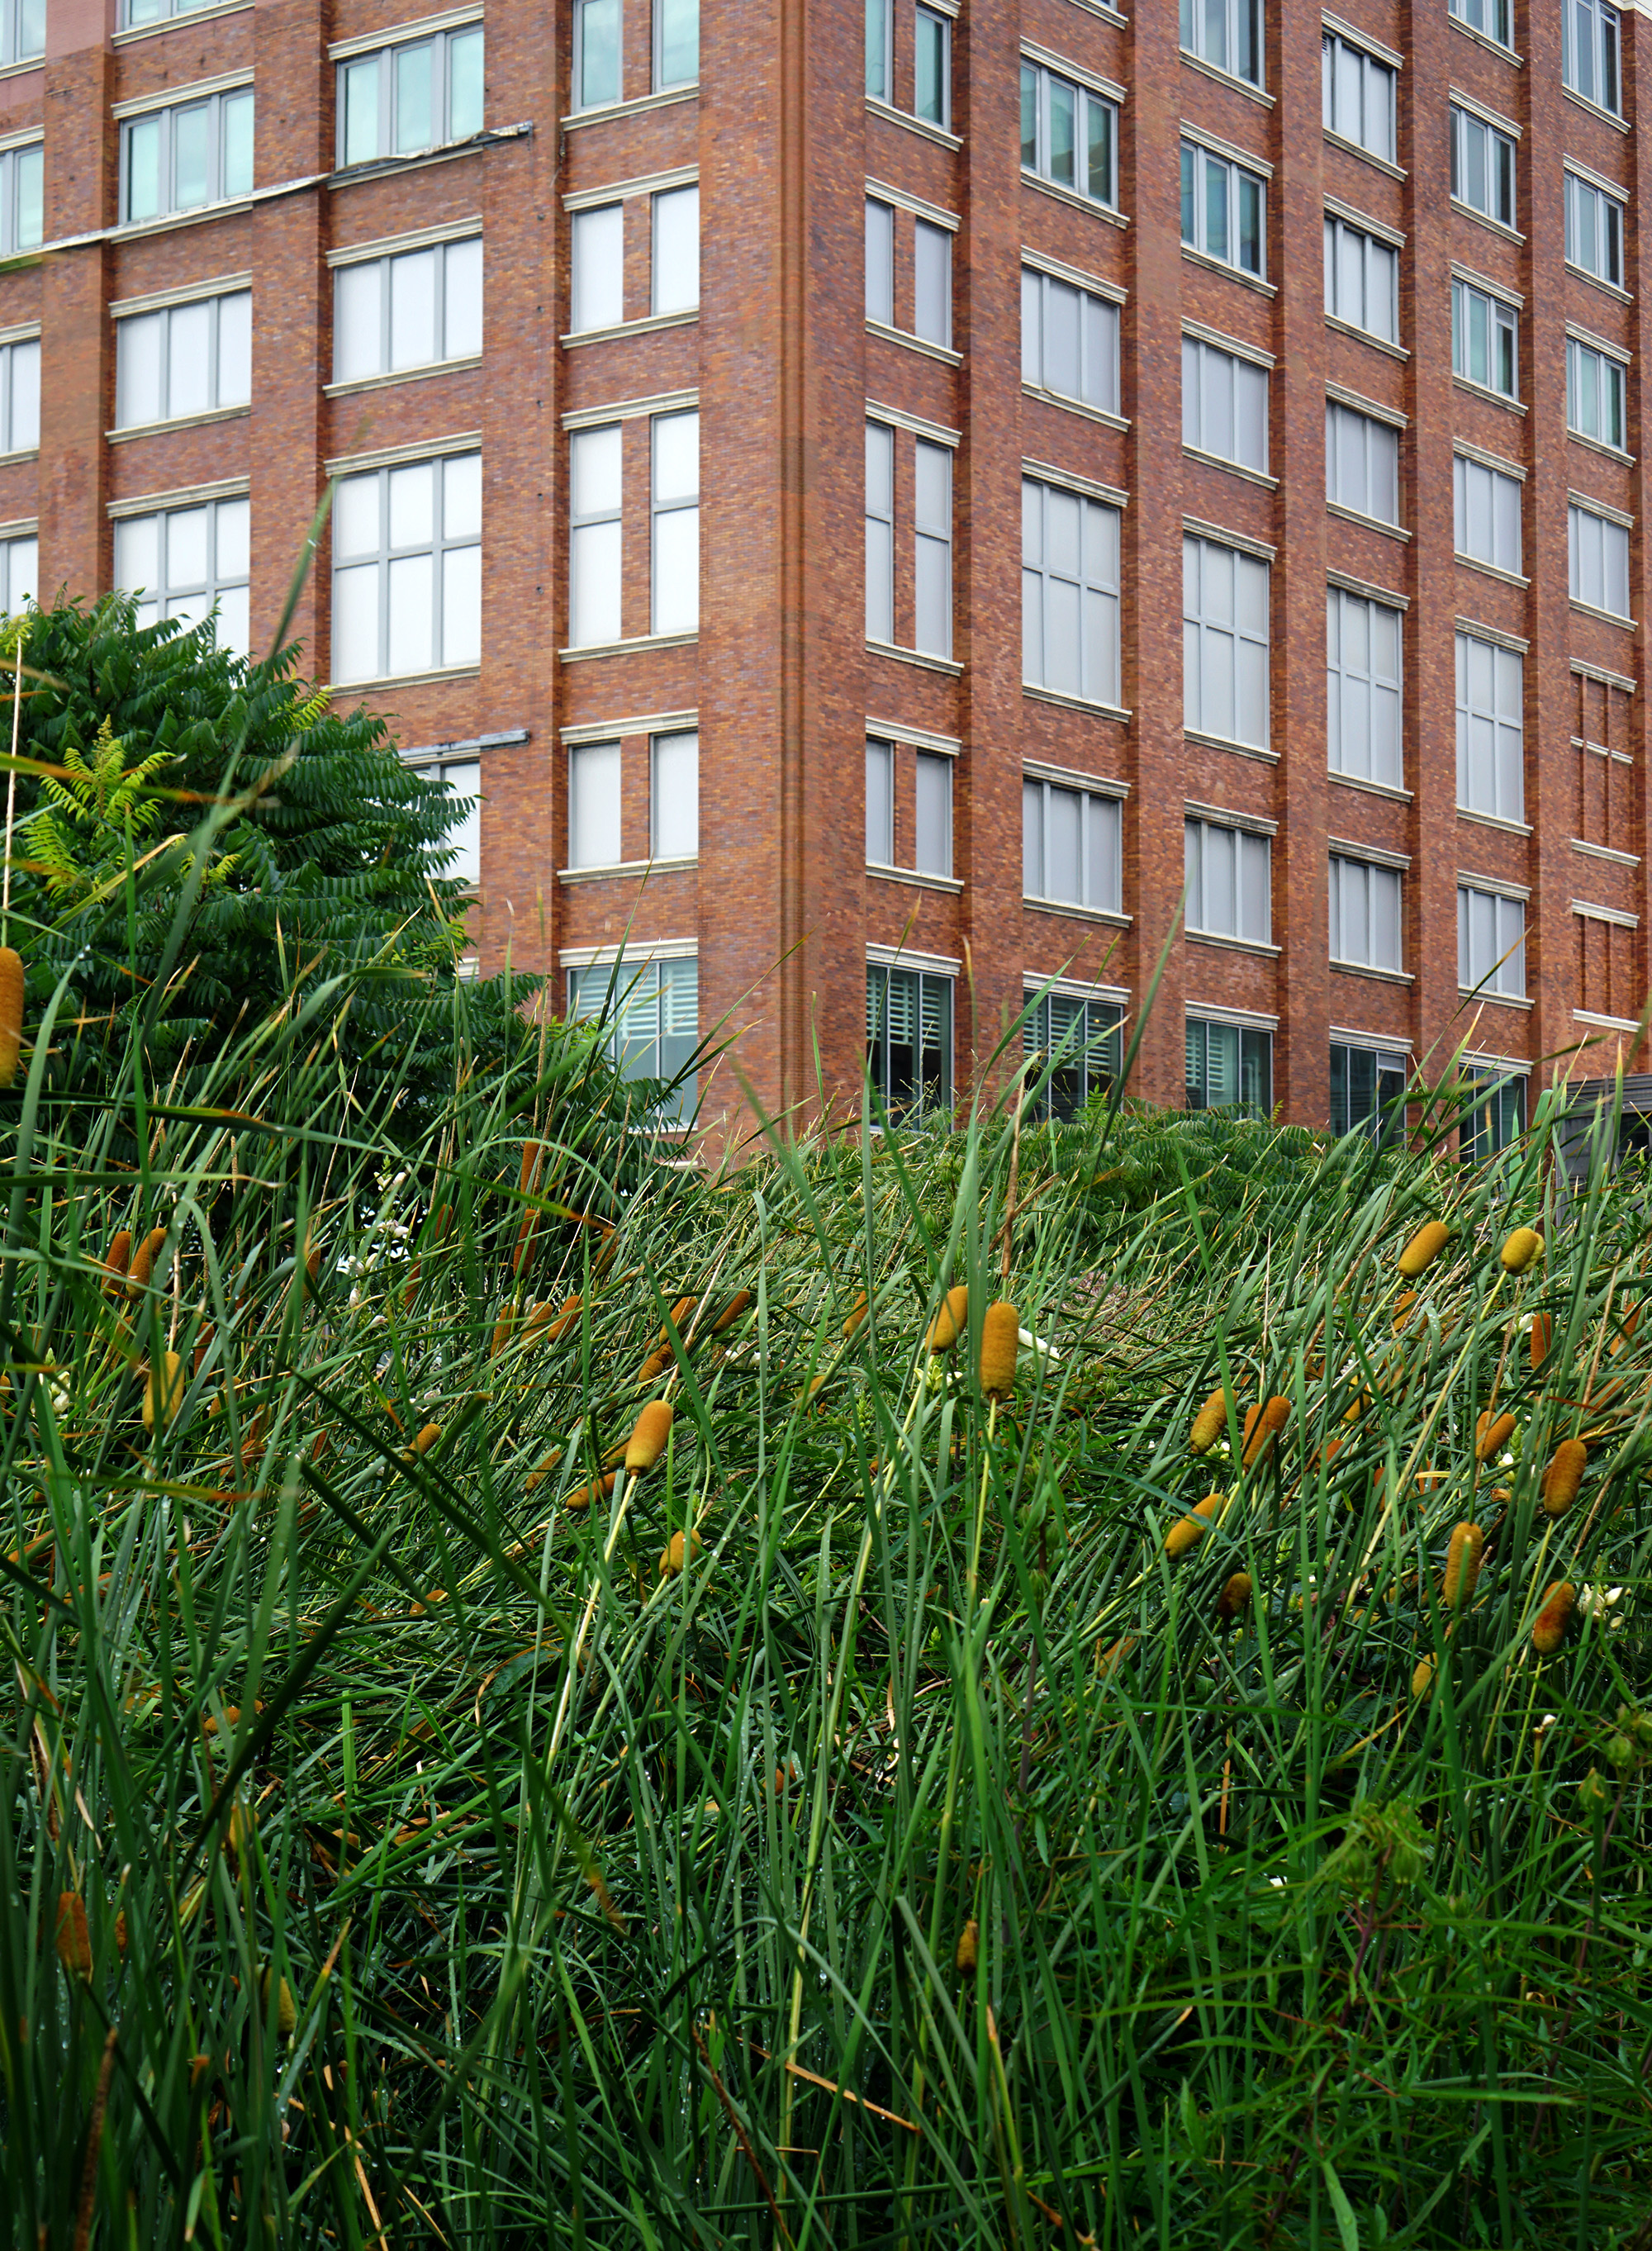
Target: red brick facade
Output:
[(779, 680)]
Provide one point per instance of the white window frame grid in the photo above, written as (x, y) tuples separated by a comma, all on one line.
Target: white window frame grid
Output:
[(626, 989), (168, 598), (1381, 694), (1592, 52), (466, 837), (386, 61), (1479, 489), (1499, 159), (668, 742), (1242, 24), (581, 571), (1043, 78), (1384, 1121), (19, 571), (1490, 728), (23, 31), (164, 117), (1356, 887), (1376, 259), (1081, 1056), (20, 429), (1203, 633), (1502, 322), (1608, 222), (162, 316), (1197, 163), (941, 24), (437, 548), (1249, 853), (1093, 588), (585, 13), (1334, 47), (1099, 818), (1611, 538), (346, 277), (661, 507), (1201, 426), (1493, 12), (1609, 379), (927, 985), (660, 44), (1373, 478), (1098, 337), (1503, 974)]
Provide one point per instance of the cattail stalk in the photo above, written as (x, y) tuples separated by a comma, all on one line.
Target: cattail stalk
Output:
[(1491, 1437), (1563, 1475), (647, 1441), (1549, 1630), (1462, 1565), (12, 980), (1000, 1346), (1262, 1426), (951, 1320), (1423, 1249), (1188, 1530), (1209, 1423)]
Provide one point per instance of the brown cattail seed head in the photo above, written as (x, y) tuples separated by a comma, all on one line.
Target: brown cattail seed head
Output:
[(120, 1932), (680, 1314), (427, 1438), (502, 1328), (138, 1273), (286, 2014), (599, 1488), (119, 1255), (1188, 1530), (11, 1012), (559, 1324), (1489, 1436), (951, 1320), (1537, 1343), (647, 1440), (1522, 1248), (1233, 1597), (856, 1316), (1108, 1660), (1463, 1563), (671, 1562), (1563, 1475), (731, 1311), (74, 1940), (1262, 1425), (1424, 1248), (1000, 1345), (1403, 1309), (1422, 1676), (1549, 1630), (1209, 1423), (546, 1469), (968, 1951), (654, 1368), (164, 1390)]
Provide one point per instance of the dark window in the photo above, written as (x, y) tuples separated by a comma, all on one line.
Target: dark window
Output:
[(1078, 1042), (908, 1044), (1368, 1090)]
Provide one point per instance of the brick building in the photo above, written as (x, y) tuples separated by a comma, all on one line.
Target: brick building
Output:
[(877, 493)]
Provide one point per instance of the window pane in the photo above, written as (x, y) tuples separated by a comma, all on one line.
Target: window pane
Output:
[(358, 348), (932, 854), (676, 444), (462, 606), (597, 66), (411, 614), (930, 95), (412, 309), (1062, 338), (138, 369), (676, 570), (932, 277), (235, 127), (880, 262), (191, 147), (143, 168), (594, 586), (679, 35), (137, 553), (412, 503), (415, 120), (1063, 131), (593, 806), (359, 95), (594, 471), (1064, 846), (462, 300), (462, 496), (676, 246), (599, 267), (880, 804), (1032, 839), (355, 623), (464, 83), (232, 540), (235, 349)]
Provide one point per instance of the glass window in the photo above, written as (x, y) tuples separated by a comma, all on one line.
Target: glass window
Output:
[(597, 281), (1490, 728), (1364, 914), (1224, 404), (932, 526), (1493, 17), (880, 532), (1227, 34), (676, 250), (1487, 514), (1590, 51), (180, 561), (462, 778), (1485, 340), (1068, 134), (23, 29), (879, 804), (1069, 592), (19, 571), (1229, 1067), (407, 569), (1496, 1120), (1229, 883), (416, 310), (593, 538), (651, 1015), (1367, 1092), (1599, 561), (674, 798), (595, 68), (1069, 340), (1225, 642), (1362, 463), (1481, 167), (178, 159), (1362, 280), (1223, 210), (1073, 1048), (22, 197), (1072, 846), (676, 43), (20, 395), (932, 95), (594, 805), (1492, 942), (1594, 395), (1594, 231), (880, 43), (1358, 96), (932, 824), (676, 523), (1363, 714), (421, 94), (931, 283), (880, 262), (908, 1044)]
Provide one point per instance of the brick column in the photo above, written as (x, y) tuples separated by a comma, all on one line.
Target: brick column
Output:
[(1637, 277), (75, 340)]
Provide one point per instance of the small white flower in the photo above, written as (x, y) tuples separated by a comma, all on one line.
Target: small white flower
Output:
[(1278, 1883)]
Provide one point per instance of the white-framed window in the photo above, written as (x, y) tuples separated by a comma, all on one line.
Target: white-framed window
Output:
[(931, 273), (909, 1043), (593, 806), (879, 261), (1069, 592), (1069, 135), (1491, 942), (1358, 96), (931, 853), (932, 529), (1600, 560), (1594, 231), (879, 50), (880, 804), (1368, 1090), (1072, 846), (673, 796), (1069, 340), (23, 29), (594, 556), (1075, 1046), (1224, 641), (1591, 54), (932, 67), (1227, 34), (1224, 210), (1363, 697), (596, 268), (596, 59), (184, 359), (1229, 1067), (1362, 462), (1362, 280), (1490, 728), (1595, 388), (1229, 883), (675, 286), (22, 197), (1486, 503), (182, 158), (1485, 339), (1224, 404), (1493, 19), (180, 560), (1498, 1120), (653, 1019), (676, 43), (413, 310), (1482, 166), (1364, 914), (675, 511), (19, 572), (407, 568), (20, 395), (880, 532), (420, 94), (462, 778)]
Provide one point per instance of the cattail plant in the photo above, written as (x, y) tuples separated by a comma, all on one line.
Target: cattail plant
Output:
[(119, 1257), (1423, 1249), (1188, 1530), (1563, 1475), (969, 1949), (558, 1320), (1262, 1426), (1549, 1628), (1462, 1565), (143, 1263), (1404, 1307), (1000, 1346), (533, 1155), (1422, 1676), (1209, 1423), (74, 1939), (598, 1489), (286, 2014), (647, 1441), (856, 1315), (160, 1398), (1522, 1249), (1539, 1341), (11, 1012), (1233, 1597), (502, 1328), (671, 1561), (951, 1320), (543, 1469), (1491, 1436), (731, 1311)]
